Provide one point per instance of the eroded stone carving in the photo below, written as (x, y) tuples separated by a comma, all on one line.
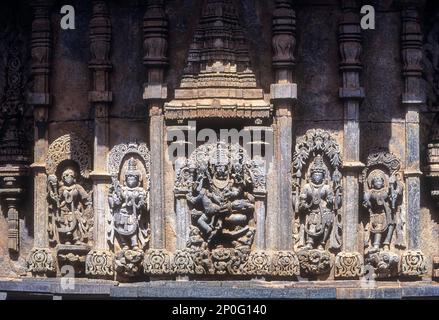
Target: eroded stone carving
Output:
[(221, 196), (129, 203), (382, 197), (70, 200), (348, 265), (41, 261), (157, 262), (317, 195), (70, 209), (99, 263), (413, 264)]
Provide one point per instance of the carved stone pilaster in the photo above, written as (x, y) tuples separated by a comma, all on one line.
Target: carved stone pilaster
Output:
[(412, 99), (11, 192), (351, 92), (40, 259), (100, 97), (283, 93), (155, 45), (99, 263), (413, 264), (348, 265)]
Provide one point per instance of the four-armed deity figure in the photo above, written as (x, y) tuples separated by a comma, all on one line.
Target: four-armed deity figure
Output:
[(224, 204), (318, 202), (381, 200), (69, 204), (127, 204)]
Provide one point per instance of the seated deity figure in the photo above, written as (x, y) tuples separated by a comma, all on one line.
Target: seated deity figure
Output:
[(317, 201), (127, 204), (381, 201), (225, 206), (71, 202)]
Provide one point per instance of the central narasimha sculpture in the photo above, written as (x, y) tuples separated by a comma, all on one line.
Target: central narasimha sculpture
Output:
[(222, 201)]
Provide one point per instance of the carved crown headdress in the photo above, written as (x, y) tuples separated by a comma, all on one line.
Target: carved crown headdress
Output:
[(318, 165), (221, 154), (132, 168)]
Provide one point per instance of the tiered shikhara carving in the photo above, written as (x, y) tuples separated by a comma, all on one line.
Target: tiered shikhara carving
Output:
[(217, 80), (383, 192), (70, 201), (317, 196), (128, 222)]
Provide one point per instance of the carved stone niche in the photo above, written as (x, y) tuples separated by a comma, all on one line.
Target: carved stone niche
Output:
[(70, 200), (317, 197), (128, 220), (221, 189), (382, 198)]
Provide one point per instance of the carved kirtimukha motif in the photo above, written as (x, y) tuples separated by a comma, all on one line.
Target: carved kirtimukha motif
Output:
[(317, 195), (383, 191), (129, 204)]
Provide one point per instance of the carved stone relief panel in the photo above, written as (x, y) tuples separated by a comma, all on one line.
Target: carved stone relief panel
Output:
[(317, 197), (128, 198), (70, 200), (382, 198), (222, 189)]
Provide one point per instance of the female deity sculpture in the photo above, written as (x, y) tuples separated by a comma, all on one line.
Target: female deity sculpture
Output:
[(317, 201), (127, 205), (70, 204)]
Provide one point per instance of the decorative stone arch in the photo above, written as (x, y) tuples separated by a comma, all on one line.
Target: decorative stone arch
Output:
[(120, 152), (69, 147)]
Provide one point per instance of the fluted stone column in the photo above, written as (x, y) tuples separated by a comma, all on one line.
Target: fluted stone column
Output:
[(283, 94), (413, 261), (99, 261), (40, 260), (349, 262)]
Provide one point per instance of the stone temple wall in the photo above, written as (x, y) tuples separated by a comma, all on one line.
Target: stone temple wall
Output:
[(331, 177)]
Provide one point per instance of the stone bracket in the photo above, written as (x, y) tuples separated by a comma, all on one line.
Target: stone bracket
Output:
[(42, 99), (155, 92), (349, 265), (413, 264), (282, 91), (100, 96), (348, 93)]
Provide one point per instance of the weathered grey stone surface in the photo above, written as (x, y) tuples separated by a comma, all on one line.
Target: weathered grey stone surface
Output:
[(131, 71)]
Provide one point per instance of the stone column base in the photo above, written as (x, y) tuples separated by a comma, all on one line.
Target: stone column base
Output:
[(99, 263), (413, 264), (349, 265), (41, 262)]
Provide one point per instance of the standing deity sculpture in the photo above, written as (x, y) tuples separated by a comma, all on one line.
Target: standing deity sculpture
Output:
[(382, 198), (128, 203), (70, 206), (318, 202), (128, 231), (317, 199)]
